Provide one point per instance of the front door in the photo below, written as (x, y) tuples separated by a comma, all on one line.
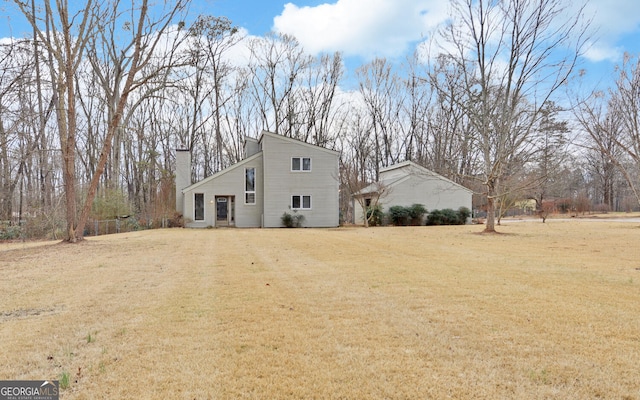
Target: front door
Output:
[(221, 211), (224, 211)]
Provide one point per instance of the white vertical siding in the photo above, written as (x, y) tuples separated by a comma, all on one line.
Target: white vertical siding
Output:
[(424, 187), (229, 182), (321, 183), (276, 183), (431, 192)]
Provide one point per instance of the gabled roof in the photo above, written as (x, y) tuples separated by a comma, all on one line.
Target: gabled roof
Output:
[(296, 141), (258, 154), (224, 171), (406, 174)]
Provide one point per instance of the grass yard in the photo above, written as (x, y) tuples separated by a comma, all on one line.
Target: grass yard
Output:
[(541, 311)]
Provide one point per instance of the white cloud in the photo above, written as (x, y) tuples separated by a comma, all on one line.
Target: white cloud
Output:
[(616, 24), (389, 28), (239, 54), (603, 51), (365, 28), (614, 17)]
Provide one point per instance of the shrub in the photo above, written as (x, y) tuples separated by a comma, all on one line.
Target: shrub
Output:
[(463, 215), (448, 216), (130, 224), (45, 225), (110, 204), (582, 204), (375, 215), (287, 220), (442, 217), (416, 212), (434, 218), (564, 205), (292, 220), (298, 220), (10, 232), (399, 215), (176, 220)]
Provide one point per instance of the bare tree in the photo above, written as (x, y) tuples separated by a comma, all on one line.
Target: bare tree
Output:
[(416, 112), (316, 95), (380, 88), (606, 144), (241, 116), (538, 177), (44, 113), (601, 164), (67, 43), (449, 148), (277, 62), (613, 125), (134, 67), (220, 36), (14, 116), (514, 55), (210, 39)]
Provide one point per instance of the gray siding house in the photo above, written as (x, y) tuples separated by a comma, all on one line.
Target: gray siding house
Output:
[(277, 175), (408, 183)]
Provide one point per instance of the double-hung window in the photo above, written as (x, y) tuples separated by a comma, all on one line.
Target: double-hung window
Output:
[(301, 164), (250, 185), (300, 202)]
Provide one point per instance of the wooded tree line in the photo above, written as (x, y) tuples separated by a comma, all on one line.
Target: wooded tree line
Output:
[(94, 103)]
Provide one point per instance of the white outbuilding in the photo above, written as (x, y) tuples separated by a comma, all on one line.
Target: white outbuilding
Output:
[(408, 183)]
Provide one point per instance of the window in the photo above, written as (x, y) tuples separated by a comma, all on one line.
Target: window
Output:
[(198, 207), (301, 164), (250, 185), (300, 202)]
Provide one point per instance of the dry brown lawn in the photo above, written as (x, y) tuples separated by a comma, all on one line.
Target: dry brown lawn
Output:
[(541, 311)]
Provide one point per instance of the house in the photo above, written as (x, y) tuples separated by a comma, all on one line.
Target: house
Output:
[(408, 183), (277, 175)]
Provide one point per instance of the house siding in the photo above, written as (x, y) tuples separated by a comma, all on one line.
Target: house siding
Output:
[(281, 183), (229, 182), (431, 192)]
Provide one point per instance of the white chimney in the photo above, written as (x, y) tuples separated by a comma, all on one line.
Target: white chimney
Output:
[(183, 176), (251, 146)]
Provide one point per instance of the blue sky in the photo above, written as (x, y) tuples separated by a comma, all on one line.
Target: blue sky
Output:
[(364, 29)]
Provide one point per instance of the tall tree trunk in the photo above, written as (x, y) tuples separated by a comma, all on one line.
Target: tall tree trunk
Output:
[(114, 126), (491, 206), (43, 164)]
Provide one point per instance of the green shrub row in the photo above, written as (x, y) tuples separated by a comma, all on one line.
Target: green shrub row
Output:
[(414, 214), (448, 216), (403, 216)]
